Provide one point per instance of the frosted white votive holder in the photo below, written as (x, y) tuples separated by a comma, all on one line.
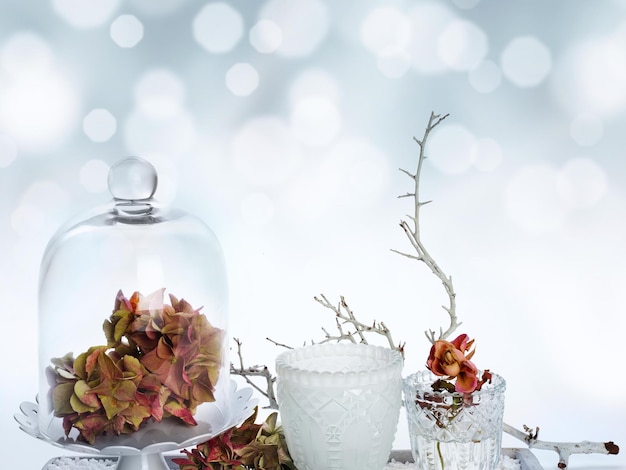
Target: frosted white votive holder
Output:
[(339, 404)]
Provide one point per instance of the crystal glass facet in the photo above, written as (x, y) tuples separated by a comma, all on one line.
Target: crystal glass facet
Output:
[(132, 244), (451, 430), (339, 404)]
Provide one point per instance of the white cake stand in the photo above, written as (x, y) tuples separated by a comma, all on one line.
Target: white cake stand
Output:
[(143, 449)]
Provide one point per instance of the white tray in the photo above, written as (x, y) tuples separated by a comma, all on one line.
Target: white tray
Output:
[(525, 457)]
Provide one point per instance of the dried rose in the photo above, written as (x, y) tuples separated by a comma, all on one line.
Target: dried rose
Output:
[(452, 360)]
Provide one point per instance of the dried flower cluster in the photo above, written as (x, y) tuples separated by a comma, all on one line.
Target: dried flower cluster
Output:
[(256, 446), (160, 360), (451, 360)]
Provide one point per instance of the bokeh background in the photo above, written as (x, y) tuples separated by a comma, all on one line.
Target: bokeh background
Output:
[(283, 124)]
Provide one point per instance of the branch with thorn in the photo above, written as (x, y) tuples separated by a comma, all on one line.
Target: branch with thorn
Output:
[(563, 449), (412, 232), (256, 371), (344, 316)]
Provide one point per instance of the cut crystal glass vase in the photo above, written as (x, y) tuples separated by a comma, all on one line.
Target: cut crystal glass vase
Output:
[(452, 430)]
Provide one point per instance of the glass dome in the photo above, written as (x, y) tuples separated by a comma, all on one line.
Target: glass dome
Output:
[(132, 319)]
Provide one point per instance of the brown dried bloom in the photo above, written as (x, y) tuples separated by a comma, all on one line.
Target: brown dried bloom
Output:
[(160, 360)]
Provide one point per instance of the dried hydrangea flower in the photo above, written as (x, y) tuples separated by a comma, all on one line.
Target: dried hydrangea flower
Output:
[(160, 360)]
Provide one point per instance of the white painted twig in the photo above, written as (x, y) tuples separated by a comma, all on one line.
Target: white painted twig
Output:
[(413, 234), (256, 371), (345, 316), (563, 449)]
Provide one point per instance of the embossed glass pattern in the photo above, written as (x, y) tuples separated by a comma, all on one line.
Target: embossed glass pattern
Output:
[(454, 431), (339, 404)]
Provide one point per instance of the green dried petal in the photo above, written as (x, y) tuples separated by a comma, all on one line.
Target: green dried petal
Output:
[(79, 406), (113, 407), (80, 366), (89, 400), (125, 391), (61, 395)]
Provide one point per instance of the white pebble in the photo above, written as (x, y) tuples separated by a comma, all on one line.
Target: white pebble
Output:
[(82, 463)]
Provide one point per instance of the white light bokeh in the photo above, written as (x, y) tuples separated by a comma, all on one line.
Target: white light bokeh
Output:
[(8, 150), (486, 154), (160, 93), (314, 82), (394, 62), (428, 21), (171, 135), (581, 183), (126, 31), (39, 111), (315, 120), (242, 79), (526, 61), (39, 208), (368, 170), (93, 176), (532, 200), (385, 27), (462, 45), (257, 209), (586, 129), (360, 172), (353, 174), (27, 219), (485, 77), (451, 149), (590, 76), (25, 53), (38, 103), (85, 15), (266, 36), (304, 25), (218, 27), (99, 125), (265, 152)]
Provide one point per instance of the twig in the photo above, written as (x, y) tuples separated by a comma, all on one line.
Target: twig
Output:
[(345, 316), (256, 371), (563, 449), (276, 343), (413, 233)]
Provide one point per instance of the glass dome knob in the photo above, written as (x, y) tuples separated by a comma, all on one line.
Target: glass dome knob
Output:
[(132, 179)]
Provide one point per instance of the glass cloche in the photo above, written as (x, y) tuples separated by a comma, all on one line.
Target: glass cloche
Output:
[(133, 323)]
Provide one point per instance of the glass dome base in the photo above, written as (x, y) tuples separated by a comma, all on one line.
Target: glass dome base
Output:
[(136, 450)]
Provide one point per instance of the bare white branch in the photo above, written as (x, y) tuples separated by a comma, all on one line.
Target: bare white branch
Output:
[(563, 449), (345, 317), (256, 371), (413, 234)]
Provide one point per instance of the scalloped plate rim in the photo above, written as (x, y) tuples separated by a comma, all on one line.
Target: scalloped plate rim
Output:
[(242, 407)]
